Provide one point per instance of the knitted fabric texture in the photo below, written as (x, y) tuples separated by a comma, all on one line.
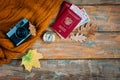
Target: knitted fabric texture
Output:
[(38, 12)]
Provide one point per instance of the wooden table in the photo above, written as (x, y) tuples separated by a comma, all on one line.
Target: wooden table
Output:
[(106, 15)]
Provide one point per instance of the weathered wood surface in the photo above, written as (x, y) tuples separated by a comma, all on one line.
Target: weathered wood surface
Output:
[(107, 39), (107, 18), (95, 2), (106, 44), (64, 70)]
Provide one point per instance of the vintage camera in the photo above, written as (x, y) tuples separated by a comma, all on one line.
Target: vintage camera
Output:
[(20, 32)]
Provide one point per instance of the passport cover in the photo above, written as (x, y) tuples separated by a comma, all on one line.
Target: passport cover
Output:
[(65, 6), (66, 22)]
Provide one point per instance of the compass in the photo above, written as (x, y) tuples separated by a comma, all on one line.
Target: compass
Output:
[(49, 37)]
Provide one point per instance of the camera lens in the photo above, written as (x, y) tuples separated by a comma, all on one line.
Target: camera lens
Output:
[(21, 32)]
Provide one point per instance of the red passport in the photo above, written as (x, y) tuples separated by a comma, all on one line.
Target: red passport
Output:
[(65, 6), (66, 22)]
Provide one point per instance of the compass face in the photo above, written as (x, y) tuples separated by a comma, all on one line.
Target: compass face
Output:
[(49, 37)]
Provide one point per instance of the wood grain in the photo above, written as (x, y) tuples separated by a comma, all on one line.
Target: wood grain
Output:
[(106, 45), (63, 70), (107, 18), (95, 2)]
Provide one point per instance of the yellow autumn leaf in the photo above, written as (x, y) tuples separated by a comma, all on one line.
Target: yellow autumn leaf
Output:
[(31, 59), (36, 64)]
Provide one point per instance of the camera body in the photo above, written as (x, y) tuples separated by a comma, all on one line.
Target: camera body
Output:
[(20, 32)]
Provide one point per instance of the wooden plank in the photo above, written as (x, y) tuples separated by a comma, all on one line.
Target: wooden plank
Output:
[(63, 70), (106, 45), (107, 18), (95, 2)]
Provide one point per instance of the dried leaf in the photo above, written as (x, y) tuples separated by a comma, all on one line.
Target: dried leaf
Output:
[(78, 37), (32, 29), (31, 60), (88, 29)]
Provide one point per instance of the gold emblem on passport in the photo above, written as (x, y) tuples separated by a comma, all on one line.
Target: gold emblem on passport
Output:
[(68, 21)]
